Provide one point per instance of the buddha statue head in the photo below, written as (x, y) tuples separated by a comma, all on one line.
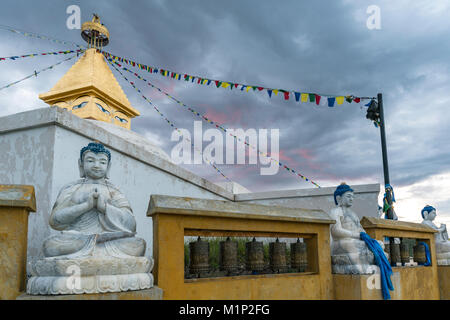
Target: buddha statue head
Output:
[(343, 196), (428, 213), (95, 161)]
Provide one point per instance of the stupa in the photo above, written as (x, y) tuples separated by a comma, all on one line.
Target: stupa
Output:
[(89, 89)]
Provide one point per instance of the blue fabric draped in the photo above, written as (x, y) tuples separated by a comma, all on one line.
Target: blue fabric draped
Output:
[(427, 252), (382, 262)]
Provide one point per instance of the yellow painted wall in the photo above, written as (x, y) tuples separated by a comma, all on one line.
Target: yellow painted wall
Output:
[(444, 282), (13, 240), (169, 231)]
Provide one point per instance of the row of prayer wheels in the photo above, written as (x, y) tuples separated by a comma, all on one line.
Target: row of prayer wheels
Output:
[(254, 256), (400, 253)]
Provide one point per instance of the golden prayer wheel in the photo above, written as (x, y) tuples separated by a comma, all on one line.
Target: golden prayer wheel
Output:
[(299, 256), (254, 253), (419, 254), (277, 254), (199, 256), (395, 253), (228, 260), (404, 253)]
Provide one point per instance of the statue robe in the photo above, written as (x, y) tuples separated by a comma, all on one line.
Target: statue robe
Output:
[(94, 233)]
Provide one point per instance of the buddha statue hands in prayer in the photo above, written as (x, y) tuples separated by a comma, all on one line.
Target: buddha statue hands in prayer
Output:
[(97, 234), (441, 238), (349, 254)]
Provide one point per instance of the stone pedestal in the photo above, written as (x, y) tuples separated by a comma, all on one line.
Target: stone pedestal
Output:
[(15, 204), (154, 293), (444, 282)]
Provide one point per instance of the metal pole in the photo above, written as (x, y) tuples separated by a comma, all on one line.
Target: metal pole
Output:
[(384, 152)]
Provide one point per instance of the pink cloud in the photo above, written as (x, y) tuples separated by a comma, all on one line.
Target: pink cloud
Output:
[(304, 153)]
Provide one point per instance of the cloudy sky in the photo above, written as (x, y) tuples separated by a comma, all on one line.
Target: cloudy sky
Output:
[(308, 46)]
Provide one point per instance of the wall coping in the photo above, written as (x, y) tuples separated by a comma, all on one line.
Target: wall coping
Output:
[(228, 209), (376, 223), (298, 193), (20, 196), (56, 116)]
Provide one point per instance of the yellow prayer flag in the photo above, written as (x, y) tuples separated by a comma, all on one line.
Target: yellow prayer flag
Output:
[(248, 88), (305, 97), (340, 100), (275, 91), (225, 84)]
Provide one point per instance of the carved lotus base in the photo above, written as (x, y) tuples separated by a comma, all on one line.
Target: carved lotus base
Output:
[(443, 262), (348, 264), (443, 258), (89, 284), (354, 269), (90, 275)]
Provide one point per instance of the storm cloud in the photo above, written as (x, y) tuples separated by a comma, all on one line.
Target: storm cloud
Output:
[(308, 46)]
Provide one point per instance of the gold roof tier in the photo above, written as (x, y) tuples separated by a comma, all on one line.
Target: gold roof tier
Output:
[(90, 91)]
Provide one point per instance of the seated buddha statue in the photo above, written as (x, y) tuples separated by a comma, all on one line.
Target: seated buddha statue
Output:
[(349, 254), (441, 237), (97, 235)]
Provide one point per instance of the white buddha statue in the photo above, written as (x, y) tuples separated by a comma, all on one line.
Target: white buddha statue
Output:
[(96, 250), (441, 237), (349, 254)]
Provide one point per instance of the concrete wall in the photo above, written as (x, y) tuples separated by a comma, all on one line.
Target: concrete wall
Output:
[(364, 204), (41, 148)]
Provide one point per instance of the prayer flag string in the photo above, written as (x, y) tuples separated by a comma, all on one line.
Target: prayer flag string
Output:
[(14, 58), (171, 123), (328, 100), (35, 73), (283, 166), (39, 36)]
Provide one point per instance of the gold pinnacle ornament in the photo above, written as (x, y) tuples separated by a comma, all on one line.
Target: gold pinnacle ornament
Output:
[(89, 89), (95, 33)]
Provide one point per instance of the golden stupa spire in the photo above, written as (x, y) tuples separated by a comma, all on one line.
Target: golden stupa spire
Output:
[(89, 89)]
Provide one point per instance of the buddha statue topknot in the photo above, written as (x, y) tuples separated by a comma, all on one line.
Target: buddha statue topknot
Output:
[(349, 254), (96, 250), (441, 237)]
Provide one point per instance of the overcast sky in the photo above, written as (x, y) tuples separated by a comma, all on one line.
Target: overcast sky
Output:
[(308, 46)]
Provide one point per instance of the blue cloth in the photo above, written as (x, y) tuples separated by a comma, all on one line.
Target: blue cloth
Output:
[(382, 262), (427, 253), (340, 190)]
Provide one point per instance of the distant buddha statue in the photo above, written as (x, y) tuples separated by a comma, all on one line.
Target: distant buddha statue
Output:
[(349, 254), (97, 234), (441, 237)]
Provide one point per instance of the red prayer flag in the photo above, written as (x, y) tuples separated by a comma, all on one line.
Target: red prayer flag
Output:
[(357, 100), (286, 95), (317, 99)]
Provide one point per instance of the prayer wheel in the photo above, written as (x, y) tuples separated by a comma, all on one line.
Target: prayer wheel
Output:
[(277, 255), (199, 256), (254, 253), (387, 249), (419, 254), (395, 254), (299, 256), (404, 253), (228, 255)]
